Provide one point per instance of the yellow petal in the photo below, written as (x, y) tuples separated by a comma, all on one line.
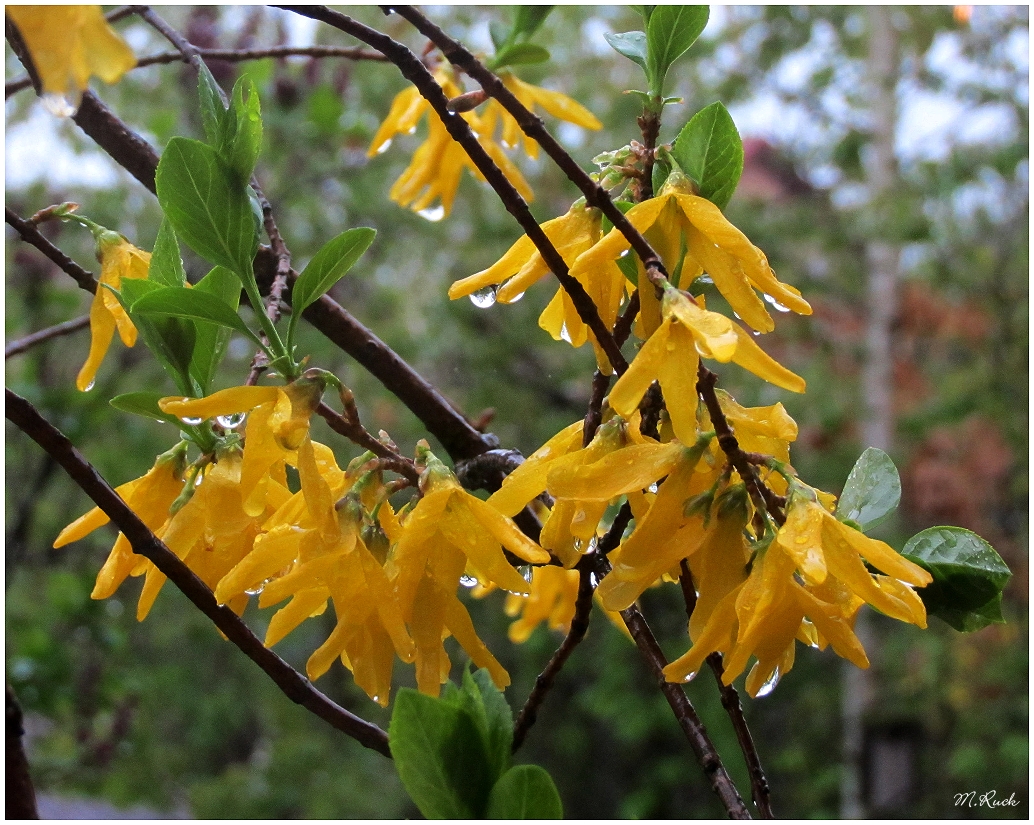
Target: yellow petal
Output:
[(630, 388), (225, 402), (529, 479), (631, 468), (751, 357)]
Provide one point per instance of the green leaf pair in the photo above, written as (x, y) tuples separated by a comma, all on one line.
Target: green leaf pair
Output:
[(511, 46), (670, 31), (968, 575), (453, 756)]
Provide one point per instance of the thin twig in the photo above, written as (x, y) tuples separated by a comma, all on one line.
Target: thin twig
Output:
[(731, 702), (544, 681), (414, 70), (56, 331), (295, 686), (31, 235), (357, 433)]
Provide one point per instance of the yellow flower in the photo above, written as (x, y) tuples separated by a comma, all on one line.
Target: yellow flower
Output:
[(555, 103), (68, 44), (449, 534), (714, 245), (554, 591), (150, 497), (437, 165), (119, 259)]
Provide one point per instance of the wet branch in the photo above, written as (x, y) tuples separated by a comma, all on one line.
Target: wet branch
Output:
[(56, 331), (295, 686), (414, 71), (731, 702), (31, 235)]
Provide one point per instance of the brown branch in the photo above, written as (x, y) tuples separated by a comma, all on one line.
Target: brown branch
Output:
[(532, 126), (31, 235), (763, 498), (731, 702), (352, 429), (20, 799), (544, 681), (414, 70), (295, 686), (56, 331)]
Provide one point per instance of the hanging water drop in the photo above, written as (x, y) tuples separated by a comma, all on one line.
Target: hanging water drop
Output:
[(230, 422), (468, 581), (89, 386), (705, 279), (191, 422), (526, 572), (689, 677), (778, 306), (255, 591), (433, 213), (57, 105), (516, 298), (484, 297), (769, 686), (653, 488), (564, 334), (384, 147)]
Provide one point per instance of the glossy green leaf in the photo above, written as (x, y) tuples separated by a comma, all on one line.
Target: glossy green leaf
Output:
[(212, 339), (213, 111), (525, 792), (144, 404), (669, 34), (329, 265), (193, 304), (872, 491), (968, 576), (170, 339), (440, 757), (710, 152), (630, 44), (528, 20), (209, 210), (644, 12), (520, 53), (166, 266), (490, 711)]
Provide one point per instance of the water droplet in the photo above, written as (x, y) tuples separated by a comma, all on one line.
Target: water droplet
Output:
[(191, 422), (526, 572), (90, 386), (705, 279), (256, 590), (778, 306), (57, 105), (468, 581), (653, 488), (376, 697), (433, 213), (689, 677), (769, 686), (483, 298), (230, 422), (198, 479), (565, 334), (411, 131), (516, 298), (384, 147), (624, 254)]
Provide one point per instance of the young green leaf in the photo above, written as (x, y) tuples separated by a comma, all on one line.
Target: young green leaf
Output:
[(644, 12), (872, 491), (166, 266), (213, 113), (170, 339), (209, 210), (669, 34), (968, 576), (329, 265), (528, 19), (520, 53), (194, 304), (487, 705), (144, 404), (525, 792), (212, 339), (710, 151), (440, 757), (243, 142), (630, 44)]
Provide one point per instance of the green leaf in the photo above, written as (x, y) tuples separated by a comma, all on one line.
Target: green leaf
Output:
[(213, 113), (520, 53), (872, 491), (170, 339), (166, 266), (669, 34), (525, 792), (499, 34), (968, 576), (209, 210), (243, 142), (660, 173), (212, 339), (144, 404), (487, 705), (710, 151), (644, 12), (440, 757), (193, 304), (528, 20), (630, 44), (329, 265)]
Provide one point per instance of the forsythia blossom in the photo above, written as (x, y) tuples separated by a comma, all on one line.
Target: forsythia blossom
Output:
[(68, 44)]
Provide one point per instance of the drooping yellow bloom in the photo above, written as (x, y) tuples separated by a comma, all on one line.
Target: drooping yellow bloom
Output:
[(437, 165), (555, 103), (68, 44), (713, 245), (119, 259)]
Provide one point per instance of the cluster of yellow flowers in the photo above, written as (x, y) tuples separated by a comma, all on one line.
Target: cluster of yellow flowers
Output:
[(434, 172)]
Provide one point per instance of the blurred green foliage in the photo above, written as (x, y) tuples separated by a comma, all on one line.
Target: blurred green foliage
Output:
[(169, 714)]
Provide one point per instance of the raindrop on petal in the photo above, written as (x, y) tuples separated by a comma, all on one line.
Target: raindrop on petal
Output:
[(191, 422), (433, 213), (57, 105), (565, 334), (526, 572), (230, 422), (769, 686), (778, 306), (90, 386), (483, 298), (689, 677), (705, 279), (516, 298), (384, 147), (468, 581)]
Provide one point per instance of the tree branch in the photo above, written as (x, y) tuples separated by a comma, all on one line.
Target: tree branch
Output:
[(295, 686), (31, 235), (56, 331)]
